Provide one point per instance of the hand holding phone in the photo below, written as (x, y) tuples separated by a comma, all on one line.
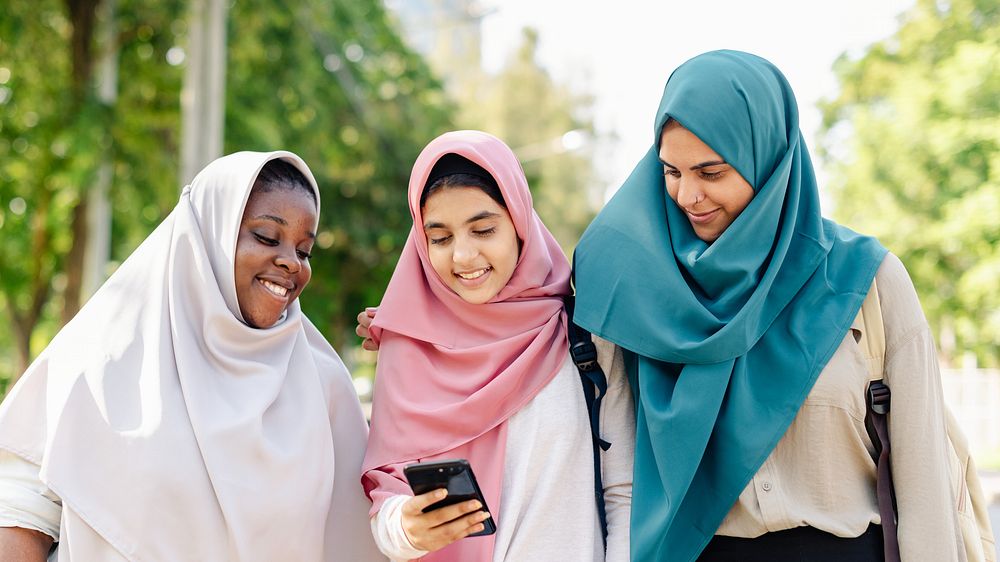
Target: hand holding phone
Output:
[(448, 505)]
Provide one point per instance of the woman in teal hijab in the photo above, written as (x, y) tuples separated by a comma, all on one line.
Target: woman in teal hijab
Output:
[(730, 294)]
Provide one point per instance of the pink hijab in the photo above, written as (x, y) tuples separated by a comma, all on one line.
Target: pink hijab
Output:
[(451, 373)]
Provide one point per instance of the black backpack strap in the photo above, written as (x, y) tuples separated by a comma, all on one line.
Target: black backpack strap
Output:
[(877, 423), (595, 386)]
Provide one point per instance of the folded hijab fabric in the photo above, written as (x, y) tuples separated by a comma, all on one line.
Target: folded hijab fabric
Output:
[(172, 430), (450, 373), (724, 340)]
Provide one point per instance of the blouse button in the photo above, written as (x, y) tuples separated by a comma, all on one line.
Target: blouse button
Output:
[(766, 486)]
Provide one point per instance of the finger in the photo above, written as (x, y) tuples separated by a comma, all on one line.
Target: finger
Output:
[(361, 331), (417, 504), (369, 345), (450, 513), (462, 527), (362, 316), (370, 311)]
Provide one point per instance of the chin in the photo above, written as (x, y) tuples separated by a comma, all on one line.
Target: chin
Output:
[(477, 298), (261, 323)]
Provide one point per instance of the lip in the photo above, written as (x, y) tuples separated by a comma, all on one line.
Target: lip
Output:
[(702, 218), (477, 282), (288, 285)]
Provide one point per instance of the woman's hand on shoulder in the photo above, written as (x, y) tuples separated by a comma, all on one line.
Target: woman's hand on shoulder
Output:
[(437, 529), (365, 318)]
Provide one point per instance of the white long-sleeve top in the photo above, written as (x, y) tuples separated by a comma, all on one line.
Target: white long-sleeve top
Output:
[(547, 511)]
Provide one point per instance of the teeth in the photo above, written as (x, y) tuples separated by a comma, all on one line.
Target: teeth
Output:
[(276, 289), (474, 274)]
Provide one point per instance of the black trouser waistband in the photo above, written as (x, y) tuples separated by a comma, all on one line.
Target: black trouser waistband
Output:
[(800, 544)]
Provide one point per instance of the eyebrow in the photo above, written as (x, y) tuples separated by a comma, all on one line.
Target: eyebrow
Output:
[(696, 166), (478, 217), (282, 222)]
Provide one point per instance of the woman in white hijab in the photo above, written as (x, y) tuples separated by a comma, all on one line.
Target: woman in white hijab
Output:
[(191, 411)]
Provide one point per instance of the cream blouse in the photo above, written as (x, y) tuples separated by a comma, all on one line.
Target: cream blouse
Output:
[(821, 472)]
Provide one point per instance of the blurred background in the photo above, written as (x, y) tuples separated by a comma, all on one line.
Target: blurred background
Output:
[(108, 107)]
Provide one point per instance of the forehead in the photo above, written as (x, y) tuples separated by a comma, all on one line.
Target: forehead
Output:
[(459, 203), (676, 141), (285, 203)]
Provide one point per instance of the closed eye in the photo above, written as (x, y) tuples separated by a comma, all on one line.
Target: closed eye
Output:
[(303, 254), (265, 240), (486, 232), (441, 240)]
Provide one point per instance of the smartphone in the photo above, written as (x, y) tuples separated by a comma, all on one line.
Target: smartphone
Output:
[(456, 476)]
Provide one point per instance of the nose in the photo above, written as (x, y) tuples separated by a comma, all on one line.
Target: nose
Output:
[(465, 250), (689, 193), (288, 260)]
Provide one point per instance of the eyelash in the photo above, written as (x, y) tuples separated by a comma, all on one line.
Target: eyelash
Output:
[(266, 240), (705, 175), (480, 233), (272, 242)]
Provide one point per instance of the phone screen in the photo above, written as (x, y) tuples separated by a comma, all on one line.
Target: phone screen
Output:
[(454, 475)]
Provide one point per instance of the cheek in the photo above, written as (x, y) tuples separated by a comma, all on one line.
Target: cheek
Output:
[(305, 275), (671, 187), (440, 261), (506, 250), (739, 196), (245, 261)]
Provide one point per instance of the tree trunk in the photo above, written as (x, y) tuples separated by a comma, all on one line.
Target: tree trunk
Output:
[(83, 16), (203, 98), (74, 261), (98, 250), (22, 340)]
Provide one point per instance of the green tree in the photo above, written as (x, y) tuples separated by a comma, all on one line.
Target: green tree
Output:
[(52, 131), (330, 81), (523, 105), (334, 83), (914, 137)]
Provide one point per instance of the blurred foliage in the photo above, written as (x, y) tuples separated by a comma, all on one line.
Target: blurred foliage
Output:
[(52, 135), (523, 105), (334, 83), (914, 136), (331, 81)]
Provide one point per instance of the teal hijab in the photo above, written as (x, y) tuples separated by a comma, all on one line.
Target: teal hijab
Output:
[(724, 341)]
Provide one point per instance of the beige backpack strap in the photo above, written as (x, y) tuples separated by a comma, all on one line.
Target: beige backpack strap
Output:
[(877, 405), (872, 333), (973, 514)]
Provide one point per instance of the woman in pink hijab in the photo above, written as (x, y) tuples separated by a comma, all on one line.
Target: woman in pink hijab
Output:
[(474, 363)]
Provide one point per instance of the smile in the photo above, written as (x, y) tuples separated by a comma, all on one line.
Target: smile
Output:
[(703, 217), (276, 290), (474, 274)]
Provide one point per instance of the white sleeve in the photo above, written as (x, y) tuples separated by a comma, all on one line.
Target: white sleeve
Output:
[(24, 500), (617, 427), (387, 528)]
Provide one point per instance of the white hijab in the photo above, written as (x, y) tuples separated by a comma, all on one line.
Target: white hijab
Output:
[(177, 432)]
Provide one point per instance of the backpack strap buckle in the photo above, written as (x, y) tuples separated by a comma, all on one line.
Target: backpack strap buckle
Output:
[(584, 354), (878, 397)]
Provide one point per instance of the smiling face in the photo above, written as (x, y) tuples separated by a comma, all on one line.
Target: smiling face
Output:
[(471, 242), (272, 253), (709, 191)]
